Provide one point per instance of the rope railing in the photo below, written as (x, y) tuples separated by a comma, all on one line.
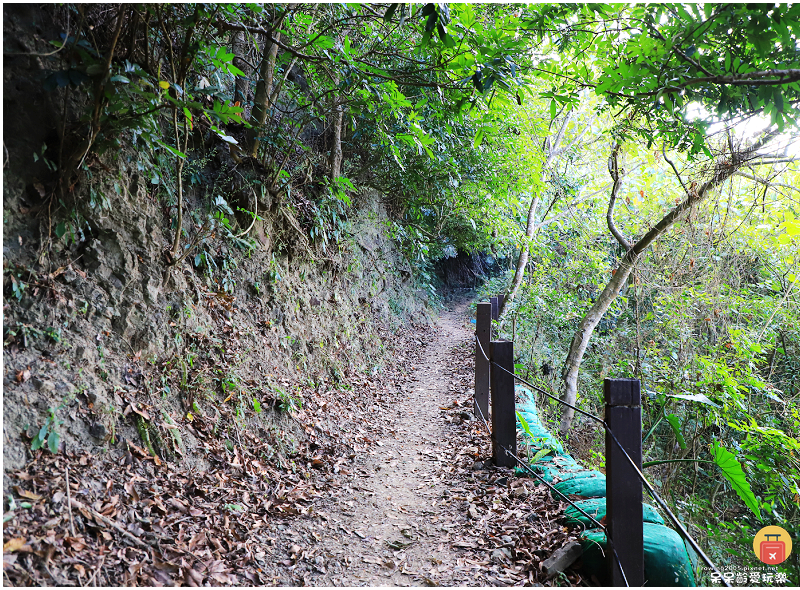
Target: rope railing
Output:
[(650, 489), (537, 476), (552, 488)]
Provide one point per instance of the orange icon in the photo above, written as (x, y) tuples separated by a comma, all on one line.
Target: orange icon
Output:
[(772, 545)]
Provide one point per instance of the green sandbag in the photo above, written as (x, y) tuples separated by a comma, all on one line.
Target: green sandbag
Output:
[(553, 465), (562, 461), (593, 486), (552, 470), (526, 396), (537, 430), (596, 508), (577, 474), (541, 439), (666, 561), (536, 427), (543, 442)]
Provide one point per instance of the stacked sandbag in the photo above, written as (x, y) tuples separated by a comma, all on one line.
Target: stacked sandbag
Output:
[(596, 508), (666, 559)]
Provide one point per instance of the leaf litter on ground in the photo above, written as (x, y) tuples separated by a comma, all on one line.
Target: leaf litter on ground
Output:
[(252, 521), (508, 525)]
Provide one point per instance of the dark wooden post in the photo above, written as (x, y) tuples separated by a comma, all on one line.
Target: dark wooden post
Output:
[(495, 308), (483, 330), (504, 420), (501, 299), (623, 486)]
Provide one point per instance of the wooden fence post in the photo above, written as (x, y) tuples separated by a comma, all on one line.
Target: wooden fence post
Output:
[(495, 308), (504, 419), (483, 331), (623, 487)]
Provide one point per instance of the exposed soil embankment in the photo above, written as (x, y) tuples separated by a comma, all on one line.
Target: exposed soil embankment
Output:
[(106, 338), (390, 484)]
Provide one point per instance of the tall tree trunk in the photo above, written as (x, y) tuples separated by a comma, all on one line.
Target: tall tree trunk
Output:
[(176, 243), (261, 102), (522, 262), (336, 150), (337, 123), (580, 341), (179, 64), (239, 49), (724, 169)]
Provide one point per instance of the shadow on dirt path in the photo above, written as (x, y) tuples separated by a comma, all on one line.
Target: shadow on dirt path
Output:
[(392, 526)]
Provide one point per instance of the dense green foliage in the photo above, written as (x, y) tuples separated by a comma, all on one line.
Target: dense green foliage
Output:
[(660, 60), (465, 115), (709, 323)]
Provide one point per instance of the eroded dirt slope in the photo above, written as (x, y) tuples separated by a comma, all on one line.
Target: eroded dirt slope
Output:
[(391, 487)]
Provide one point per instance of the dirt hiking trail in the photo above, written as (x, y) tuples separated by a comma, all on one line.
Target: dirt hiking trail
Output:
[(396, 522), (424, 506), (390, 485)]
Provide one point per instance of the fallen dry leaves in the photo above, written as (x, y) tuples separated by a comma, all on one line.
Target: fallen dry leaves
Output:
[(250, 518), (141, 521), (510, 525)]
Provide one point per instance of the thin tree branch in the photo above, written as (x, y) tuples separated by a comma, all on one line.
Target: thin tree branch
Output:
[(674, 169), (767, 182), (722, 172), (616, 176)]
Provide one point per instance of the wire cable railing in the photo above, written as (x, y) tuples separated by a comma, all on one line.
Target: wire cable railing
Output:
[(537, 476), (650, 489), (552, 488)]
